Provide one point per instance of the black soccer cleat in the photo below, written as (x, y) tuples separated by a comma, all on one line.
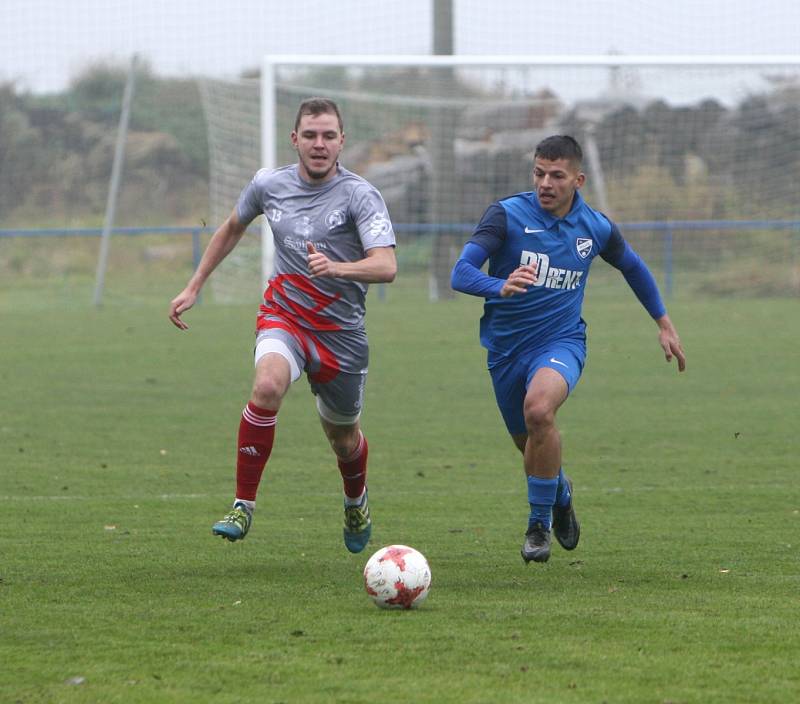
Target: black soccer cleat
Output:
[(565, 523), (536, 547)]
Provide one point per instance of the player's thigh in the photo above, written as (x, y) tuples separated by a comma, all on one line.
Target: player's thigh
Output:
[(341, 379), (340, 400), (273, 377), (277, 341), (546, 392), (551, 376), (279, 359)]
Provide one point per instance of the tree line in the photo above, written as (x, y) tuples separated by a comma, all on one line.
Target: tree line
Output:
[(659, 161), (56, 150)]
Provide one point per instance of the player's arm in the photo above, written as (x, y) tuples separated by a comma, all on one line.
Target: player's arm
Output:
[(368, 212), (670, 342), (220, 245), (622, 256), (488, 237), (379, 266)]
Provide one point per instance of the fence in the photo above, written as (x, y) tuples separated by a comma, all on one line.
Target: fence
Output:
[(671, 248)]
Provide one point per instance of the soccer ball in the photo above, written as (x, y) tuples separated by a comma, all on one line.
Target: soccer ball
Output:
[(397, 577)]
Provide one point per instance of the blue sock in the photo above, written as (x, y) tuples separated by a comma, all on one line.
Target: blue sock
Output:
[(562, 495), (541, 497)]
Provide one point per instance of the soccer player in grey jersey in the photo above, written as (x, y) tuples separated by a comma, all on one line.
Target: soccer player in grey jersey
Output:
[(333, 237)]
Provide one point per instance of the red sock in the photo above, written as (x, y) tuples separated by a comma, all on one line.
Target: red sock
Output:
[(256, 434), (354, 469)]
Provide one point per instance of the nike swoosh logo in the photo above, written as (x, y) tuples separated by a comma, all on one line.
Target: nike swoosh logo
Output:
[(528, 230), (555, 361)]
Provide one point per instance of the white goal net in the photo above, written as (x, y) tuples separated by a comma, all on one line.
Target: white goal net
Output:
[(697, 158)]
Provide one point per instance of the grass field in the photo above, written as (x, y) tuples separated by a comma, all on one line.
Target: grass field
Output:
[(116, 448)]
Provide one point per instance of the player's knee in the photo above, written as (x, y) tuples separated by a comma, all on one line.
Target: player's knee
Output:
[(268, 393), (344, 443), (538, 415), (341, 449)]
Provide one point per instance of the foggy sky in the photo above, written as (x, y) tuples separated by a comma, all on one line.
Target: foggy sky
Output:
[(44, 43)]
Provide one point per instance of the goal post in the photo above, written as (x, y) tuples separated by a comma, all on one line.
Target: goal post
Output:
[(514, 72), (665, 140)]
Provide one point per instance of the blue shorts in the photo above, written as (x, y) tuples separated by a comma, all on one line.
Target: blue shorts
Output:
[(511, 377)]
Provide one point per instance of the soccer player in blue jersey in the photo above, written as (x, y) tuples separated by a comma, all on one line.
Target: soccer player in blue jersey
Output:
[(540, 245)]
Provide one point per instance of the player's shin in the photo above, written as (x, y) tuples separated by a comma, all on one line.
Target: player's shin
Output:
[(354, 471), (256, 436), (541, 497)]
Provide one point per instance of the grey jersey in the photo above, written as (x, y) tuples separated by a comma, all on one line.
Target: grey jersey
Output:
[(343, 218)]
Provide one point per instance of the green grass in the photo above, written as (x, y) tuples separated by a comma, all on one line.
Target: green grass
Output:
[(116, 454)]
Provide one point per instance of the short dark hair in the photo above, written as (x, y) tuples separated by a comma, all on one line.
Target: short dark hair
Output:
[(559, 146), (318, 106)]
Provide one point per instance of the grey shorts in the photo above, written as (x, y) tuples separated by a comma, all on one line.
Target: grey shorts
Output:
[(334, 362)]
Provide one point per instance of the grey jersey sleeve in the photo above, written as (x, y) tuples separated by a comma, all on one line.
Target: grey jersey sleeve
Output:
[(371, 217), (250, 204)]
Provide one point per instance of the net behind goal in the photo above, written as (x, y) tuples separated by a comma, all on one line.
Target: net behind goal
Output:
[(697, 158)]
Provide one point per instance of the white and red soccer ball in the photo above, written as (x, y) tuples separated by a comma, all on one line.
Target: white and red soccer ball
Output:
[(397, 577)]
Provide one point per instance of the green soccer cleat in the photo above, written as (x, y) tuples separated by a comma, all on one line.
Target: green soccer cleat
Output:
[(235, 525), (565, 523), (357, 525), (536, 547)]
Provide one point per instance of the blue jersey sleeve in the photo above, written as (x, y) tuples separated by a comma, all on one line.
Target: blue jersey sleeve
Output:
[(490, 232), (622, 256), (487, 238), (467, 276)]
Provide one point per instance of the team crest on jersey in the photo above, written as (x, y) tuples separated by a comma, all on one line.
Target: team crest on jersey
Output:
[(379, 225), (334, 219), (584, 247)]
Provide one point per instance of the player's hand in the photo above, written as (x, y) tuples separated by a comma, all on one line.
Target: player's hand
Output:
[(518, 281), (670, 342), (319, 264), (180, 304)]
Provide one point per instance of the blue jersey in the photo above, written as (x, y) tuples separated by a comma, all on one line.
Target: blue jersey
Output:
[(517, 231)]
